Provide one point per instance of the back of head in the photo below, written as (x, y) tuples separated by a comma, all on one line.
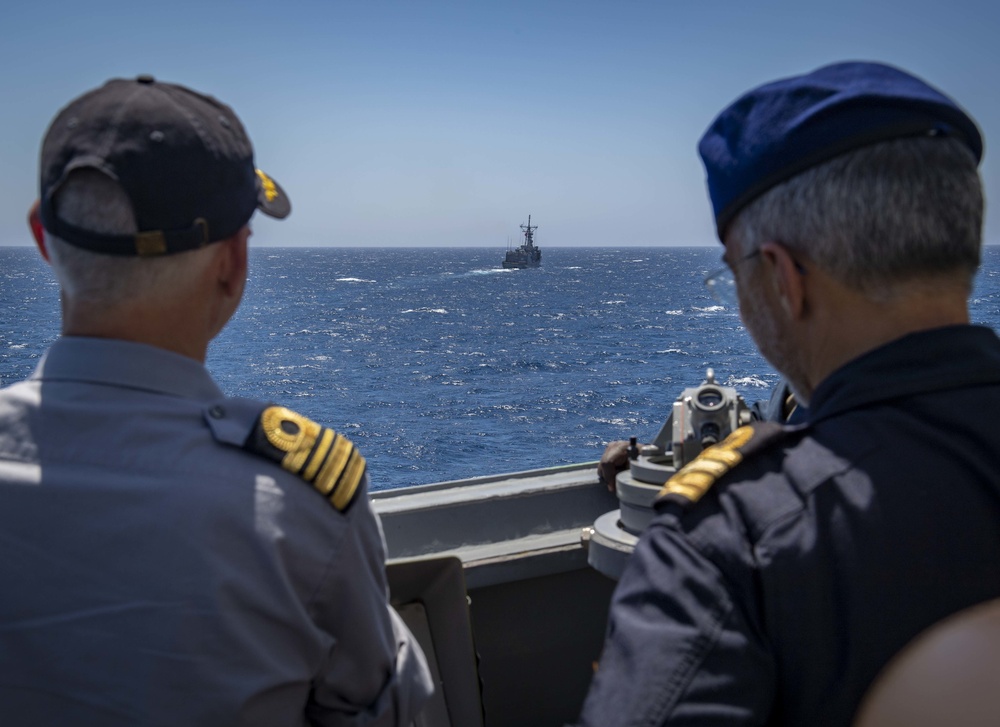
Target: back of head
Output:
[(90, 200), (136, 177), (946, 676), (880, 218), (860, 167)]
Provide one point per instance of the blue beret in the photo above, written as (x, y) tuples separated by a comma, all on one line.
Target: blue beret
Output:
[(780, 129)]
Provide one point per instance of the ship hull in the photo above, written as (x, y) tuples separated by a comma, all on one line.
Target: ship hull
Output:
[(520, 264)]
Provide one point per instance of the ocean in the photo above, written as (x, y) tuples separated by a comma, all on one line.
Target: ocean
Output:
[(440, 365)]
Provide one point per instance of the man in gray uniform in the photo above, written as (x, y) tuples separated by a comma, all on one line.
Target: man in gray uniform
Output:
[(173, 556), (786, 566)]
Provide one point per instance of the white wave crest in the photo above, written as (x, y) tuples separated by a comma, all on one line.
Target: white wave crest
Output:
[(614, 421), (753, 381)]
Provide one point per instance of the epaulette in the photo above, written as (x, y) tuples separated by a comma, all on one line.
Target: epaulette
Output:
[(317, 454), (694, 479)]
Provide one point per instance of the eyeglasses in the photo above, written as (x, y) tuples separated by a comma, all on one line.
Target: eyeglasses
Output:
[(722, 285)]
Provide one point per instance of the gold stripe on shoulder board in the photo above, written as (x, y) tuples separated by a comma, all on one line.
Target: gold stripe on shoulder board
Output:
[(320, 456), (694, 479)]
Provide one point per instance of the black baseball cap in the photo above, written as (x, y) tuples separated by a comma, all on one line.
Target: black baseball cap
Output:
[(775, 131), (182, 158)]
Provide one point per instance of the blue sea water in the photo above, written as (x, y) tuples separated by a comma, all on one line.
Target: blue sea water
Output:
[(441, 365)]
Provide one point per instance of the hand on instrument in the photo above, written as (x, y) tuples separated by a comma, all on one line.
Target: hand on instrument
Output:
[(613, 461)]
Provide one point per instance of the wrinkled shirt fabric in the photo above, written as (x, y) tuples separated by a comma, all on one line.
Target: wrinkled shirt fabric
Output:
[(153, 575)]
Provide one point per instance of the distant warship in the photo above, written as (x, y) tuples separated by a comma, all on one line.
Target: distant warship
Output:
[(527, 255)]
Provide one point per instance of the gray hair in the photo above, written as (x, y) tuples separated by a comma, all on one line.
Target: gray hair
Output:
[(896, 212), (91, 200)]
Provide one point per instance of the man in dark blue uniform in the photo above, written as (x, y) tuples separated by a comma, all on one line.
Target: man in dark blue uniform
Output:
[(787, 565)]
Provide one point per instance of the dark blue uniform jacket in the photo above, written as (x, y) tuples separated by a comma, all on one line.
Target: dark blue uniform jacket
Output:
[(777, 597)]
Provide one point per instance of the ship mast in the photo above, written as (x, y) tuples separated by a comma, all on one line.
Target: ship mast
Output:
[(529, 239)]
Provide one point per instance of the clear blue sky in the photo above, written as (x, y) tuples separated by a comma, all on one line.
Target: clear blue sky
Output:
[(447, 123)]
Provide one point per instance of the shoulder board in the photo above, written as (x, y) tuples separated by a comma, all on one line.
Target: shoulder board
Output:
[(317, 454), (694, 479)]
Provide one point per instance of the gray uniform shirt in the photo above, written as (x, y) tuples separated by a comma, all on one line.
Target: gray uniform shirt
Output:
[(152, 573)]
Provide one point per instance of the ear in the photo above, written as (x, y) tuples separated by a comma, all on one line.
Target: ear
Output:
[(232, 262), (788, 277), (37, 231)]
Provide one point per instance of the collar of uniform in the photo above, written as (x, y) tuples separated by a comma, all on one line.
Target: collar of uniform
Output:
[(124, 364), (940, 359)]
